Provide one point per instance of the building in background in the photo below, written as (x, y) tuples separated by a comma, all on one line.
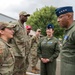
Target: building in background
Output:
[(5, 18)]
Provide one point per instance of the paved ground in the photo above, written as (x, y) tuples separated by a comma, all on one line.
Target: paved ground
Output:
[(38, 65)]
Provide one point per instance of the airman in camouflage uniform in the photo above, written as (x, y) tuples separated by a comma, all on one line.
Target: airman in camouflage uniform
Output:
[(21, 45), (65, 20), (7, 59), (28, 28), (33, 53)]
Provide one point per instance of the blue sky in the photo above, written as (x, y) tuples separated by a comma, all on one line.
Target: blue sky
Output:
[(13, 7)]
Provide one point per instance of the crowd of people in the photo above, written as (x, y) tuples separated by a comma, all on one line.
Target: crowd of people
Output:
[(17, 47)]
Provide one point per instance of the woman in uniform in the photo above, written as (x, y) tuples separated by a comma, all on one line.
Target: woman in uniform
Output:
[(6, 53), (48, 51)]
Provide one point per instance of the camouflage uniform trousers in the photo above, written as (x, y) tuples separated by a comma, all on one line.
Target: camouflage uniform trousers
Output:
[(34, 57), (28, 45), (27, 63), (19, 66)]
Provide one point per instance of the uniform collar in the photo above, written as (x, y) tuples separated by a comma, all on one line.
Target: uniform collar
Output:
[(5, 42), (71, 26), (22, 25), (48, 38)]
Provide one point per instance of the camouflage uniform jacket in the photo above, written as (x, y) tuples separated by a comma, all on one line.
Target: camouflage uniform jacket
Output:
[(20, 42), (6, 58), (34, 44)]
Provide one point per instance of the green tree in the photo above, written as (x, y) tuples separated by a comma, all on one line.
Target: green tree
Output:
[(42, 17)]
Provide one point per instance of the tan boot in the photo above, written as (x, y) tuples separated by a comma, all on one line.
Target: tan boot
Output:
[(34, 71)]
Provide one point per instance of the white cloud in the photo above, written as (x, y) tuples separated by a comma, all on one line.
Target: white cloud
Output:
[(6, 3), (13, 7)]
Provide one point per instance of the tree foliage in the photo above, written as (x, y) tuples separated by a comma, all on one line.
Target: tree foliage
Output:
[(42, 17)]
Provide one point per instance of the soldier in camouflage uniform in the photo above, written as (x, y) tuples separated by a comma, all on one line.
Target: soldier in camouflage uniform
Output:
[(28, 28), (33, 53), (7, 59), (20, 44), (65, 20)]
